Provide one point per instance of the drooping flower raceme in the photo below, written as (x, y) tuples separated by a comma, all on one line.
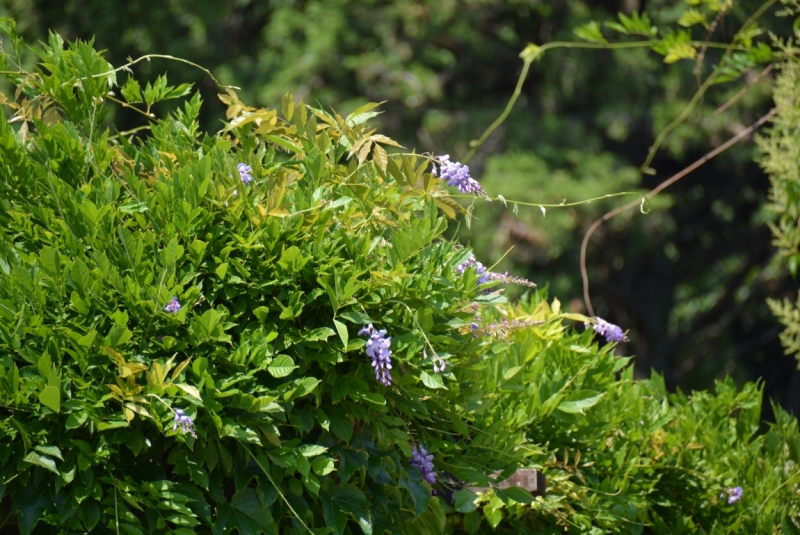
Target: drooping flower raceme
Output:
[(611, 332), (378, 350), (174, 306), (457, 175), (734, 494), (486, 276), (423, 461), (185, 423), (245, 173), (502, 328), (480, 270)]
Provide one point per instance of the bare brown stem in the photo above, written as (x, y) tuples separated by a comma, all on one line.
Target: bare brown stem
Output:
[(658, 189)]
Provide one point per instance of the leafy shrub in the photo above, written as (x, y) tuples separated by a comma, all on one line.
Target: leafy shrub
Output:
[(180, 315), (623, 455), (183, 341)]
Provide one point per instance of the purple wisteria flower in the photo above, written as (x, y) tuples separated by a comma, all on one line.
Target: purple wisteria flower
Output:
[(183, 421), (378, 350), (480, 269), (734, 494), (245, 173), (611, 332), (486, 276), (174, 306), (423, 461), (457, 175)]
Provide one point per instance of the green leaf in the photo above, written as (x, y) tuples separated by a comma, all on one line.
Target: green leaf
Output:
[(432, 381), (578, 406), (692, 17), (680, 51), (134, 207), (81, 276), (31, 506), (494, 515), (51, 261), (281, 366), (248, 514), (285, 143), (43, 461), (304, 387), (431, 522), (132, 91), (50, 450), (112, 424), (590, 32), (419, 492), (76, 419), (221, 270), (320, 333), (335, 517), (341, 328), (465, 501), (261, 314), (323, 465), (363, 109), (376, 400), (287, 106), (51, 398), (355, 316), (90, 514), (292, 260), (311, 450), (44, 365), (341, 425), (516, 494)]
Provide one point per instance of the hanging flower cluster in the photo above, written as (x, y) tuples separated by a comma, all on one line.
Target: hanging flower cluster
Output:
[(174, 306), (734, 494), (502, 328), (457, 175), (245, 173), (480, 269), (378, 350), (423, 461), (185, 423), (486, 276), (611, 332)]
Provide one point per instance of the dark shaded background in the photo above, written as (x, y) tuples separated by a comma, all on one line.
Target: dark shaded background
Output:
[(688, 280)]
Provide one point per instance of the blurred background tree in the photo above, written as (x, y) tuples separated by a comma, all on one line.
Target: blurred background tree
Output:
[(689, 280)]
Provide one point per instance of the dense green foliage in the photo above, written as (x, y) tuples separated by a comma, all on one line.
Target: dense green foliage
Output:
[(623, 455), (689, 280), (102, 233)]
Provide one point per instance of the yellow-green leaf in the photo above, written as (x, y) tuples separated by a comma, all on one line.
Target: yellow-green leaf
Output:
[(51, 398)]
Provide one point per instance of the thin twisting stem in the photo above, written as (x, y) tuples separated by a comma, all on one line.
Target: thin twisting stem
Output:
[(658, 189), (537, 53)]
